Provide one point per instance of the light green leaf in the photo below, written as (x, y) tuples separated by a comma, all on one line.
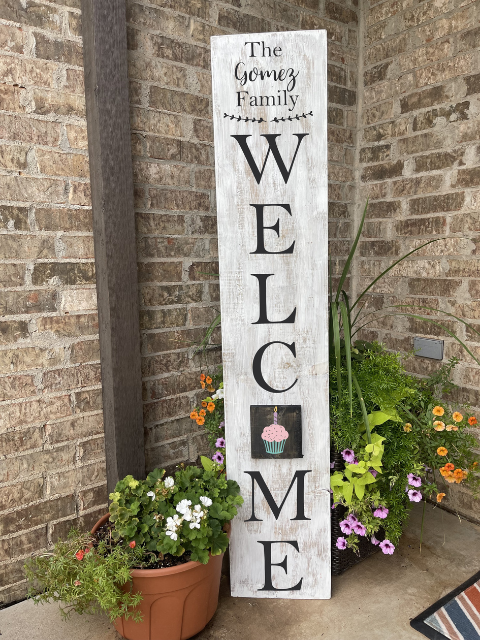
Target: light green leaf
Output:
[(360, 490), (348, 492), (207, 464)]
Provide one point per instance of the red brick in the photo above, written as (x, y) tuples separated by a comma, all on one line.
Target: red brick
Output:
[(38, 514)]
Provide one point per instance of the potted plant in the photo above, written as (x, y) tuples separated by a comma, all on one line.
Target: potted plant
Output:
[(390, 439), (393, 435), (153, 564)]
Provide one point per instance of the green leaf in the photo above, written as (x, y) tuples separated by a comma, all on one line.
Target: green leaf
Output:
[(377, 418), (336, 343), (364, 409), (336, 480), (207, 464), (348, 355), (356, 468), (366, 479), (348, 492), (360, 490), (389, 268), (346, 268)]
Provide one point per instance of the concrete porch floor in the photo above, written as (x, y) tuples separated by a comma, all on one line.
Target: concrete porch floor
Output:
[(373, 601)]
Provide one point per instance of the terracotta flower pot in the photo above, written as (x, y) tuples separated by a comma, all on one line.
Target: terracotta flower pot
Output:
[(177, 602)]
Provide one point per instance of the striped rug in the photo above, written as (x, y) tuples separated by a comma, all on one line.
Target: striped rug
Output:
[(456, 616)]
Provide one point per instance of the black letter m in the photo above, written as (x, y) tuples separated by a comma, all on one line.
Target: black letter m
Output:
[(299, 476), (272, 146)]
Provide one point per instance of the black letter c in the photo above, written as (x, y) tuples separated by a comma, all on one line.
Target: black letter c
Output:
[(257, 367)]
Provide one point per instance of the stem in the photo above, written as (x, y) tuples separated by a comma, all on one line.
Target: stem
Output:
[(423, 520)]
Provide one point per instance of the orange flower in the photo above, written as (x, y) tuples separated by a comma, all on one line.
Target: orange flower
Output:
[(458, 473), (449, 466), (210, 388), (194, 415), (451, 427), (475, 464), (444, 471), (442, 451), (200, 420), (208, 380), (211, 406), (202, 377), (455, 428), (472, 420), (450, 478), (407, 427), (202, 384), (438, 411), (204, 403), (202, 413), (440, 497), (457, 416), (438, 425)]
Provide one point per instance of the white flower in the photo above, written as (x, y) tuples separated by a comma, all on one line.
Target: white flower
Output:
[(172, 535), (220, 393), (174, 523), (197, 511), (183, 505), (215, 397), (151, 494), (194, 525), (169, 482), (188, 515), (206, 501)]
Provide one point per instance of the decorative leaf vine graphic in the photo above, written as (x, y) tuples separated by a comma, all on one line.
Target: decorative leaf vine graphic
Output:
[(276, 119)]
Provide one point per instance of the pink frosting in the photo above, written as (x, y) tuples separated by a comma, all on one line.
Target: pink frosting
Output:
[(275, 432)]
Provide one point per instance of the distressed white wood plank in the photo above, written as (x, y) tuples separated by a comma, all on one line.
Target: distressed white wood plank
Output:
[(299, 281)]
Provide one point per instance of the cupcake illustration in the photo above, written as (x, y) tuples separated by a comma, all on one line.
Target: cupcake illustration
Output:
[(274, 436)]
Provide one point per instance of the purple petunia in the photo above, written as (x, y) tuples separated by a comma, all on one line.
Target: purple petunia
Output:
[(348, 455), (221, 425), (218, 457), (374, 541), (373, 472), (414, 495), (332, 465), (381, 512), (220, 443), (414, 481), (346, 527), (341, 543), (359, 529), (387, 547), (352, 518)]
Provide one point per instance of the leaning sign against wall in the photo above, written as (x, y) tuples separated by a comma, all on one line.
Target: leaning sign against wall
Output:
[(270, 120)]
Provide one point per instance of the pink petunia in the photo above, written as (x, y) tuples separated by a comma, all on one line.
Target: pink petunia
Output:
[(346, 527), (359, 529), (352, 518), (348, 455), (387, 547), (220, 443), (413, 480), (374, 541), (218, 457), (381, 512), (414, 495), (341, 543)]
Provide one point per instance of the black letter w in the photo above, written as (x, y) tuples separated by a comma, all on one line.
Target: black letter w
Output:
[(272, 146)]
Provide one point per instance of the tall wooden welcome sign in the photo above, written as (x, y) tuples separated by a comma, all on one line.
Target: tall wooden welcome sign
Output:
[(270, 124)]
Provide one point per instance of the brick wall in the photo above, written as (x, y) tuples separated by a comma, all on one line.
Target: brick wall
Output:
[(51, 447), (419, 162), (175, 201), (52, 471)]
